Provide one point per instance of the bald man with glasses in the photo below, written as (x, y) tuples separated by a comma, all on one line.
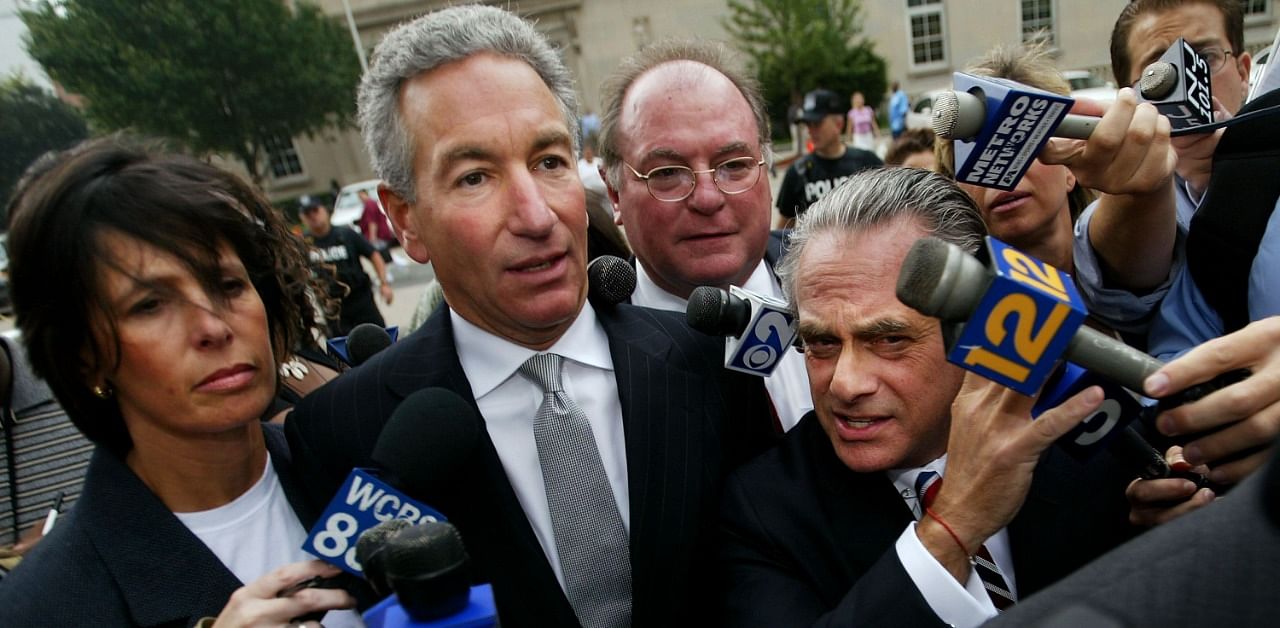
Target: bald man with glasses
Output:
[(684, 139)]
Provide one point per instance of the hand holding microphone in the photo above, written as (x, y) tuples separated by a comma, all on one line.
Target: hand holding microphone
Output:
[(277, 598)]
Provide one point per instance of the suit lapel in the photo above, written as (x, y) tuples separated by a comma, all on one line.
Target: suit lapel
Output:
[(866, 513), (164, 572)]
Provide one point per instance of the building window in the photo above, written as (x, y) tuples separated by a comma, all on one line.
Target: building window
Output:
[(1037, 22), (926, 34), (283, 156), (1257, 7)]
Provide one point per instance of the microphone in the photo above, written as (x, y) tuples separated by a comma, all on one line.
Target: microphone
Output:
[(427, 436), (941, 280), (610, 281), (427, 567), (758, 329), (1000, 126), (364, 341), (1179, 86), (369, 551)]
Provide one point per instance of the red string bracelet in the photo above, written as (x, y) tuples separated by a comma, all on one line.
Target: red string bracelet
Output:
[(929, 511)]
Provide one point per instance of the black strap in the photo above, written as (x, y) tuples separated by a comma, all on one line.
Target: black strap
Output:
[(1228, 227)]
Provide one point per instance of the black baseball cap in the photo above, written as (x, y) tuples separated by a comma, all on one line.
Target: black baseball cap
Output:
[(820, 103), (308, 202)]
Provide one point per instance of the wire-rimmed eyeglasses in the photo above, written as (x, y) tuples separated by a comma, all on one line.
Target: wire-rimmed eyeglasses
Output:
[(676, 183)]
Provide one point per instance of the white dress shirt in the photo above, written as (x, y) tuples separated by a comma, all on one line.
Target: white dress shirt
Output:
[(960, 606), (788, 385), (508, 401)]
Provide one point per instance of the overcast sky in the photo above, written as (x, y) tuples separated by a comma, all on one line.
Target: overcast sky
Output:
[(13, 56)]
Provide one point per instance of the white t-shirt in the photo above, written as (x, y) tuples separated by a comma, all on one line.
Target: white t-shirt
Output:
[(256, 533)]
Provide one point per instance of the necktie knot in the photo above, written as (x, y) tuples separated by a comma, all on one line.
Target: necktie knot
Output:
[(544, 370)]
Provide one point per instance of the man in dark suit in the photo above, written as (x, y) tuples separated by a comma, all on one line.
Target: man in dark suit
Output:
[(841, 524), (471, 120), (673, 111)]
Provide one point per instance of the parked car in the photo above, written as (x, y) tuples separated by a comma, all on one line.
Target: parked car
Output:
[(348, 207), (1086, 84), (920, 116)]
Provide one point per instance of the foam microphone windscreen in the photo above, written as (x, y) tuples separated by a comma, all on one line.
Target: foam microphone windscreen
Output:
[(427, 566), (610, 281), (366, 340), (370, 553), (427, 437), (715, 312)]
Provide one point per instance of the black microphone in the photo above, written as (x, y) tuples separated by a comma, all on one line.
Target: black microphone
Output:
[(715, 312), (429, 435), (365, 341), (610, 281), (427, 567), (370, 553), (758, 329)]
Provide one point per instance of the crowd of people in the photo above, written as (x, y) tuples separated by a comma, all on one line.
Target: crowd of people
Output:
[(620, 475)]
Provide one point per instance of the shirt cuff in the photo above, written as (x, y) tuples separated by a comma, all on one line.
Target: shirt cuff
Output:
[(960, 606)]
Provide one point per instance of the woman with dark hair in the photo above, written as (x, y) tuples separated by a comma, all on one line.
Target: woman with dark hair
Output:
[(157, 295)]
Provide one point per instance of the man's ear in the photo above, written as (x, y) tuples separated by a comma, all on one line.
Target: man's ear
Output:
[(613, 197), (401, 214)]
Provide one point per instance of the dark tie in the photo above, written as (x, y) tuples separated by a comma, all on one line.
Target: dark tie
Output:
[(591, 541), (928, 483)]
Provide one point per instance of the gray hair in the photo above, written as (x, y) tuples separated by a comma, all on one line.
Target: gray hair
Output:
[(879, 196), (433, 40), (714, 55)]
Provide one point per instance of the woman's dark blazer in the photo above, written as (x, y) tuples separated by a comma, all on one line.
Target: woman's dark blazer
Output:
[(121, 558)]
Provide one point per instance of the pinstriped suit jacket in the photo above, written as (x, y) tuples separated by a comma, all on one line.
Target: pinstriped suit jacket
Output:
[(686, 421)]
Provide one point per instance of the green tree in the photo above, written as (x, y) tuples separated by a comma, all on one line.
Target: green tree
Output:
[(224, 76), (799, 45), (32, 122)]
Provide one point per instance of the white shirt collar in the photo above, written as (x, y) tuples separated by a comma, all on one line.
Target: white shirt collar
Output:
[(649, 294), (488, 360)]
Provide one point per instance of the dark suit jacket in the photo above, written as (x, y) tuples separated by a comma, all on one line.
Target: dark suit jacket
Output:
[(806, 541), (1217, 566), (120, 557), (685, 419)]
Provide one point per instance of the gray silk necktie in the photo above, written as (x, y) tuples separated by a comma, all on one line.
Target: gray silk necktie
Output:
[(591, 541)]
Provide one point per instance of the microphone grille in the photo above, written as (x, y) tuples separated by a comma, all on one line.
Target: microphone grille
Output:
[(423, 549), (706, 303), (1158, 80), (610, 280), (946, 113), (921, 273)]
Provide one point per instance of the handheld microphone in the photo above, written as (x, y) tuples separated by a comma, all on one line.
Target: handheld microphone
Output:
[(941, 280), (427, 567), (1179, 86), (758, 329), (370, 553), (610, 281), (364, 341), (999, 126), (421, 443), (429, 435)]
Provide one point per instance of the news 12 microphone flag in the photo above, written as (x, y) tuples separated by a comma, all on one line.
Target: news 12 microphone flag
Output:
[(362, 502), (1023, 323)]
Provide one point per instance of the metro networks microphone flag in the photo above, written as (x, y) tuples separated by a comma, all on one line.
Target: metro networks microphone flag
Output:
[(1019, 120)]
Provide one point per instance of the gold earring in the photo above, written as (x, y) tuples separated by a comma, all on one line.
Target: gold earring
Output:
[(102, 392)]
